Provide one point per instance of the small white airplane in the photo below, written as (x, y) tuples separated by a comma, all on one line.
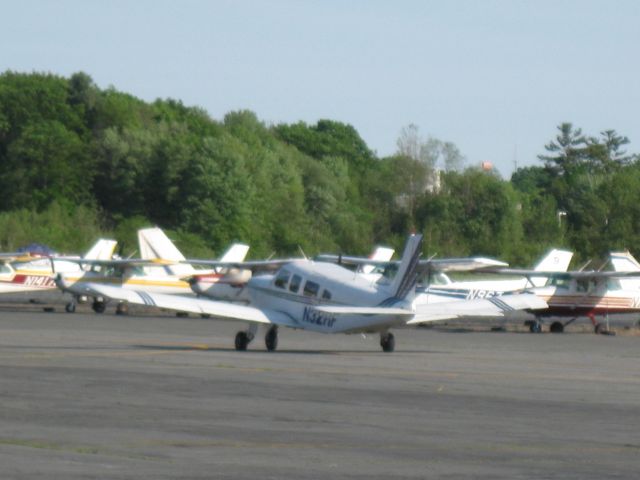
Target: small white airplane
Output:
[(20, 272), (229, 280), (328, 298), (161, 268), (439, 287), (580, 293)]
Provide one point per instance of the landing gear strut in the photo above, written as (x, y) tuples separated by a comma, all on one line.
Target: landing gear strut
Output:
[(122, 308), (70, 307), (387, 342), (271, 338)]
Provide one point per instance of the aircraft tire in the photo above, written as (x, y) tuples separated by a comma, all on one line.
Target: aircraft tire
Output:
[(271, 339), (535, 327), (99, 307), (242, 340), (556, 327), (70, 307), (601, 329), (388, 342)]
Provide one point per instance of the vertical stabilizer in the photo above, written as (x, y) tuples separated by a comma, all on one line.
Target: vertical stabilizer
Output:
[(236, 253), (380, 254), (154, 244), (624, 262), (555, 261), (101, 250), (407, 275)]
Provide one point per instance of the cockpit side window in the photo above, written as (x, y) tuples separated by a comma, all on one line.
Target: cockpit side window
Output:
[(294, 286), (326, 294), (282, 279), (311, 289), (4, 268), (559, 282)]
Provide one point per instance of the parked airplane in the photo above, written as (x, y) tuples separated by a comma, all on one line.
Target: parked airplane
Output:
[(21, 272), (580, 293), (328, 298), (161, 268), (439, 287)]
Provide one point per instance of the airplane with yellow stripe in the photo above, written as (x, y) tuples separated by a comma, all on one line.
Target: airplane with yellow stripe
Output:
[(161, 269)]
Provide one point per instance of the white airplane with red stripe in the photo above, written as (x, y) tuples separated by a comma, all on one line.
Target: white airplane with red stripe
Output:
[(21, 272)]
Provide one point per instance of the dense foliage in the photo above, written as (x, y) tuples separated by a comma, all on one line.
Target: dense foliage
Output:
[(77, 162)]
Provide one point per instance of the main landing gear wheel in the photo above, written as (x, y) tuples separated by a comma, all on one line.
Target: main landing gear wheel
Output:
[(271, 339), (122, 308), (70, 307), (242, 340), (387, 342), (535, 327), (556, 327), (99, 306)]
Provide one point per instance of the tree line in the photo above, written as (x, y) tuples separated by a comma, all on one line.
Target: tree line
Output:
[(78, 162)]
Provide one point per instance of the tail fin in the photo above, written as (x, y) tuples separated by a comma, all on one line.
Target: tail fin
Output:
[(407, 275), (624, 262), (236, 253), (381, 254), (101, 250), (555, 261), (154, 243)]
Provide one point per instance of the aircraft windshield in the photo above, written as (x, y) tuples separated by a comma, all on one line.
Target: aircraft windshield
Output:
[(282, 279)]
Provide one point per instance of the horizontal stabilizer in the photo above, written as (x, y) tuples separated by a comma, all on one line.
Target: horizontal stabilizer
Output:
[(485, 307), (364, 311)]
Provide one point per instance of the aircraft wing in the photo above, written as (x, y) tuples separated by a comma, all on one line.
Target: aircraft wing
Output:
[(17, 256), (485, 307), (190, 305), (120, 262), (440, 264), (588, 274), (263, 265)]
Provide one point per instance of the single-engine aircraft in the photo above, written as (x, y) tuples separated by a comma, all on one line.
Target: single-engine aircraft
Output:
[(328, 298), (24, 272), (580, 293), (161, 268)]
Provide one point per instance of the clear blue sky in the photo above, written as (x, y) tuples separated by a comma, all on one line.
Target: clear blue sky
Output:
[(494, 77)]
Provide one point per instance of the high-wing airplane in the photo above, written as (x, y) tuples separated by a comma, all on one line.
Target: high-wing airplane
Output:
[(161, 268), (439, 287), (21, 272), (580, 293), (327, 298), (229, 280)]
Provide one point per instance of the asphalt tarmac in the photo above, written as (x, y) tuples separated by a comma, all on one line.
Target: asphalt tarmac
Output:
[(111, 397)]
